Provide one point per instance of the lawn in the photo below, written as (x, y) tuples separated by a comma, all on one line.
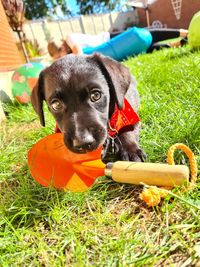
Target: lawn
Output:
[(108, 225)]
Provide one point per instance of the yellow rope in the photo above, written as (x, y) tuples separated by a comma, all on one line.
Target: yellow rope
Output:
[(189, 154), (152, 195)]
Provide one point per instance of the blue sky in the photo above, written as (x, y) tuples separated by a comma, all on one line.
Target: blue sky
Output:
[(73, 6)]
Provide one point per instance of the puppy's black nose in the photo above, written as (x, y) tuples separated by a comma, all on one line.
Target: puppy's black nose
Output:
[(84, 144)]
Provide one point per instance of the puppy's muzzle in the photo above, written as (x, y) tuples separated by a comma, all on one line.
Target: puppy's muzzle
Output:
[(83, 145)]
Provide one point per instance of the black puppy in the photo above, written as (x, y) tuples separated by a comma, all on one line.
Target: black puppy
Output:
[(83, 93)]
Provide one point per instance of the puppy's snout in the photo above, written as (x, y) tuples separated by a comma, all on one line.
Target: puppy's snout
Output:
[(84, 144)]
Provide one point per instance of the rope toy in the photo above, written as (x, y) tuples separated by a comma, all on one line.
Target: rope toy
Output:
[(153, 195)]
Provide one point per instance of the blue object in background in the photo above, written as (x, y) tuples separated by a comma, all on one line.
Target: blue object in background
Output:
[(131, 42)]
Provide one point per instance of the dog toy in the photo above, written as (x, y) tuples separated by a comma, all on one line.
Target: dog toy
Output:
[(153, 195), (52, 164)]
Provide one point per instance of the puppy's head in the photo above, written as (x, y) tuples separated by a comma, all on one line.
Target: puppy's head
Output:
[(81, 92)]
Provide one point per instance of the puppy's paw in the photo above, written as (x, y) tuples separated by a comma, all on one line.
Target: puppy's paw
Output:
[(138, 155)]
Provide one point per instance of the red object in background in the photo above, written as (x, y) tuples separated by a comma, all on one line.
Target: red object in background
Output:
[(52, 164)]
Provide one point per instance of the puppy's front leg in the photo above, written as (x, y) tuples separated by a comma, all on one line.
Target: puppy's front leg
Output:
[(130, 147)]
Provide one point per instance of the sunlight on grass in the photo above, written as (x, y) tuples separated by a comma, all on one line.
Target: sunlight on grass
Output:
[(107, 225)]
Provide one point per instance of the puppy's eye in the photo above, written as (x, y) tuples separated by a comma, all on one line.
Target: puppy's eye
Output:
[(56, 105), (95, 95)]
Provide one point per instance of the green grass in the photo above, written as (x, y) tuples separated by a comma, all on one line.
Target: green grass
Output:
[(108, 225)]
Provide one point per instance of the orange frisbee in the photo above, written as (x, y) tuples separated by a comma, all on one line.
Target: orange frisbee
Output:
[(52, 164)]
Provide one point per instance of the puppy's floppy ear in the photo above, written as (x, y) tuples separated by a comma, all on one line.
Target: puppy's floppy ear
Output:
[(118, 78), (37, 97)]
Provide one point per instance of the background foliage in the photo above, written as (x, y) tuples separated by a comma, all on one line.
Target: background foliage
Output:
[(44, 8)]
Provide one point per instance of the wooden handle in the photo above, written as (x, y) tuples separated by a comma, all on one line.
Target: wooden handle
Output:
[(149, 173)]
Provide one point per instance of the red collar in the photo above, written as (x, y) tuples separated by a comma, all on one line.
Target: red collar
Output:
[(121, 119)]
